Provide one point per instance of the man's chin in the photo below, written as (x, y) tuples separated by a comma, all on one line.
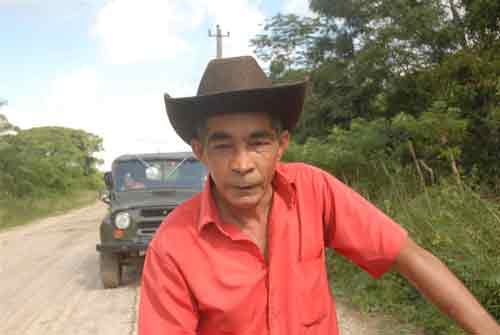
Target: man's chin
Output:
[(243, 204), (243, 199), (246, 202)]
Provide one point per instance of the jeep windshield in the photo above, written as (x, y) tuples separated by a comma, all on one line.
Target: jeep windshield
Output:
[(149, 174)]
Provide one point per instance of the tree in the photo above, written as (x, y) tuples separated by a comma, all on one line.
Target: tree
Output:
[(357, 52), (6, 127), (482, 21), (287, 44), (372, 60), (49, 159)]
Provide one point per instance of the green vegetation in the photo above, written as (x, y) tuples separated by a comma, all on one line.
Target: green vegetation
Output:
[(406, 63), (44, 170), (404, 105), (448, 218), (459, 228), (14, 212)]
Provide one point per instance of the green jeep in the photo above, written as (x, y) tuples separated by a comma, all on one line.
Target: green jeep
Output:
[(141, 191)]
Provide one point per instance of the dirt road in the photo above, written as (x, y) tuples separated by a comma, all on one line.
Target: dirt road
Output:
[(49, 283)]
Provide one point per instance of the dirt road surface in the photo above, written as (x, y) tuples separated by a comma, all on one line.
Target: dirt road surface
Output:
[(49, 282)]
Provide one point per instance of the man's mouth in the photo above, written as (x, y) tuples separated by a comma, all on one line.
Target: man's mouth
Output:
[(245, 187)]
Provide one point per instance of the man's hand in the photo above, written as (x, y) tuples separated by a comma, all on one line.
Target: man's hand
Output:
[(433, 279)]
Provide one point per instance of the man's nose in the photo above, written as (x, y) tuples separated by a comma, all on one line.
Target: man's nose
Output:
[(241, 162)]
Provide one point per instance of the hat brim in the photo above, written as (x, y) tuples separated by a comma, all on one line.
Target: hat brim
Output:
[(284, 101)]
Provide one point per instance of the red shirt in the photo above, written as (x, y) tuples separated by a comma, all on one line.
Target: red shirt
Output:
[(202, 276)]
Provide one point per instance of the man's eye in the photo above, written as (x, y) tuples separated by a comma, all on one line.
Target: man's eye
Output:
[(260, 143), (222, 146)]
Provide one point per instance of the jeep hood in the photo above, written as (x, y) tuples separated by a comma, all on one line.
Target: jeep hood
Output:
[(149, 198)]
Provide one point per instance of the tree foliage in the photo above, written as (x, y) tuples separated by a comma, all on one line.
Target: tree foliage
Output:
[(6, 127), (428, 70), (48, 159), (403, 95)]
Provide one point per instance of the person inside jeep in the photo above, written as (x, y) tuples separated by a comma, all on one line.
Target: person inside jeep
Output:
[(131, 183)]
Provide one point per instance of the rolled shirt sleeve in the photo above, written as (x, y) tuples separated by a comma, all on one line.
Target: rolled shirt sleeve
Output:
[(166, 303), (358, 230)]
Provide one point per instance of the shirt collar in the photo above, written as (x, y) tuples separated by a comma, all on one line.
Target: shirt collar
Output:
[(282, 184), (208, 210)]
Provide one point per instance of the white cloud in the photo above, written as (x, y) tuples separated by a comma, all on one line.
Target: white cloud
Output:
[(299, 7), (241, 18), (71, 96), (127, 124), (133, 31)]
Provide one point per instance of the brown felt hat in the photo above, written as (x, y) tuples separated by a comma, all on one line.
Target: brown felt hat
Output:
[(232, 85)]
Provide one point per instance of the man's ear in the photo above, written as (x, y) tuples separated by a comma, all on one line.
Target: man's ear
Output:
[(283, 141), (198, 149)]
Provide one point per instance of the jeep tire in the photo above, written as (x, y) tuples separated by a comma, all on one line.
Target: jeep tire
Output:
[(111, 270)]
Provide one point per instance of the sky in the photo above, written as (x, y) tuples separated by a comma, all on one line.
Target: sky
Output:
[(103, 66)]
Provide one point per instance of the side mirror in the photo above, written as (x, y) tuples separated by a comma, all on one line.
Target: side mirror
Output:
[(108, 180), (105, 197)]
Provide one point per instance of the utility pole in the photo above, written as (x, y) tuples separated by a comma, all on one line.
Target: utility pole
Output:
[(218, 35)]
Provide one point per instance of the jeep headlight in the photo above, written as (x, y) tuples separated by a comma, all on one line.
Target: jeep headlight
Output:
[(122, 220)]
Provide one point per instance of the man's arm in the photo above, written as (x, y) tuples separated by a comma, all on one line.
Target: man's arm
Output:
[(166, 304), (433, 279)]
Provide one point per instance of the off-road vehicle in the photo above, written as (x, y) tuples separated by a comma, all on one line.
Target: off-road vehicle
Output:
[(141, 191)]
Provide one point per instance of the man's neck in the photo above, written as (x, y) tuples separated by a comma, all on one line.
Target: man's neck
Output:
[(253, 222)]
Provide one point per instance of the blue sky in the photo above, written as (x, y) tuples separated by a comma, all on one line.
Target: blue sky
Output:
[(103, 66)]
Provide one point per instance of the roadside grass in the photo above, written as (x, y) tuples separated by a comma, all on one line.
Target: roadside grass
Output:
[(14, 212), (448, 219)]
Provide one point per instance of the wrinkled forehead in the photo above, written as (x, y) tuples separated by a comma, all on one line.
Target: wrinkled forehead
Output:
[(239, 123)]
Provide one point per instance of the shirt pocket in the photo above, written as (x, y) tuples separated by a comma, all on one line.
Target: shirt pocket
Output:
[(313, 290)]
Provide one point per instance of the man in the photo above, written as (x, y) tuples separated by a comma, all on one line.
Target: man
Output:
[(246, 256), (130, 183)]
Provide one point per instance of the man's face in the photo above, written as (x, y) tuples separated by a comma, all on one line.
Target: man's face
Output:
[(241, 151), (127, 180)]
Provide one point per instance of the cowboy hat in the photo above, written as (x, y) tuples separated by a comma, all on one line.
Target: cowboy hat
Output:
[(232, 85)]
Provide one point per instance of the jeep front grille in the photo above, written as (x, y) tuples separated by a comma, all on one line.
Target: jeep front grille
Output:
[(147, 228), (149, 225), (155, 212), (149, 220)]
